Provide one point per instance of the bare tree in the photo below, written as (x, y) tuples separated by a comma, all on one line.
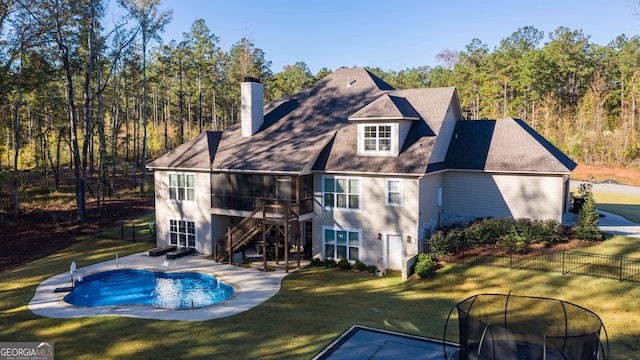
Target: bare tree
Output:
[(447, 58)]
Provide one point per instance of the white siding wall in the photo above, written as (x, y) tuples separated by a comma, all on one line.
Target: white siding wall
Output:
[(429, 209), (198, 210), (373, 217), (471, 195), (403, 131)]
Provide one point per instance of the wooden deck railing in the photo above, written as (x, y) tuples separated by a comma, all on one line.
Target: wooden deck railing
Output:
[(244, 232)]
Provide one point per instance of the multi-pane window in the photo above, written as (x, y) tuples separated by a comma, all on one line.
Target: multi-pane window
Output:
[(377, 138), (342, 193), (394, 192), (182, 233), (342, 244), (182, 187)]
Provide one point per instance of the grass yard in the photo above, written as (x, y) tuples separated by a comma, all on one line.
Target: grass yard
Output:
[(625, 205), (314, 306)]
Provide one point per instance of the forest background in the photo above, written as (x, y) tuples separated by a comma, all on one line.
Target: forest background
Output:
[(79, 92)]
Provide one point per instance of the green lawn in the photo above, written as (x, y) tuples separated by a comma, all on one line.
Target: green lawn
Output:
[(314, 307), (627, 206)]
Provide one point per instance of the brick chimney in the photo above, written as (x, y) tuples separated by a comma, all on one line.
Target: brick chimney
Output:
[(251, 105)]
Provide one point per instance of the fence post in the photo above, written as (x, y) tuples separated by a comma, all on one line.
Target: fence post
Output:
[(133, 232), (122, 232), (510, 258), (563, 251), (621, 279)]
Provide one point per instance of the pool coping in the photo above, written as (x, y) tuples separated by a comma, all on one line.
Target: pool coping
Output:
[(252, 287)]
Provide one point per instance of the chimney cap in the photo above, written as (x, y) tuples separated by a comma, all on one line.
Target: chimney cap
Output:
[(251, 79)]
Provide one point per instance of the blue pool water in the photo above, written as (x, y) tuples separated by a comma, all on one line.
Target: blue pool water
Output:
[(180, 290)]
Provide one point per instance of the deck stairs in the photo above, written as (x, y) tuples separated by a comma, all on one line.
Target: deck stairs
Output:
[(244, 232)]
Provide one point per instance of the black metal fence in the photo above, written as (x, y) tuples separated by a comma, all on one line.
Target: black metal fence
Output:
[(133, 232), (566, 262)]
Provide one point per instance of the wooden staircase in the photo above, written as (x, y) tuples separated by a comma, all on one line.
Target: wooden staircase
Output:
[(243, 233)]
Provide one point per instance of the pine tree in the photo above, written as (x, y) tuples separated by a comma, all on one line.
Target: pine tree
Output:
[(588, 218)]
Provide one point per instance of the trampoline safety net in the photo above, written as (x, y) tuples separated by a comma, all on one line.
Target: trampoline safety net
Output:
[(498, 326)]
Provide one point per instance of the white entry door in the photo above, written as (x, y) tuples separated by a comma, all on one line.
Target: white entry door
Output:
[(394, 252)]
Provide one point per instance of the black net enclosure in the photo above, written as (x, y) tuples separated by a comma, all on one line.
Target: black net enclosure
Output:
[(499, 326)]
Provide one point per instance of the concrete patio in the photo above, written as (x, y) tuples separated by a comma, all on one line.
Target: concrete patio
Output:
[(251, 285)]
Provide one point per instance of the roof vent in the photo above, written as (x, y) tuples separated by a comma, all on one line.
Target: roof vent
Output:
[(348, 81)]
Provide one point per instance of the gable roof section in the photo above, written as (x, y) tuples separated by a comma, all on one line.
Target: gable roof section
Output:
[(297, 128), (430, 104), (196, 153), (311, 131), (387, 107), (508, 145)]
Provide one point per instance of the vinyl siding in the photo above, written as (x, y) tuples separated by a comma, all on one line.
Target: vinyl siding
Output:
[(372, 218), (471, 195), (429, 186), (198, 210)]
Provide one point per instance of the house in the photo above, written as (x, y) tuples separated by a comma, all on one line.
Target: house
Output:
[(352, 168)]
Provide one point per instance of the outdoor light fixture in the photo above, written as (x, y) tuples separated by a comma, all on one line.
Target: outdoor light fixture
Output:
[(379, 236), (409, 238)]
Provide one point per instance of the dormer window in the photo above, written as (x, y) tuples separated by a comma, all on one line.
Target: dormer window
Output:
[(383, 125), (377, 138)]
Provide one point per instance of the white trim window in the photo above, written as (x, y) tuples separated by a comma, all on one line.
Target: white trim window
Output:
[(182, 233), (378, 138), (393, 190), (341, 243), (182, 187), (342, 193)]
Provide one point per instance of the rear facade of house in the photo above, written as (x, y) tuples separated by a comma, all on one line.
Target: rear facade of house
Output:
[(351, 169)]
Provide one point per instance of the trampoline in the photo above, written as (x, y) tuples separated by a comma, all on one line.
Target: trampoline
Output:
[(499, 326)]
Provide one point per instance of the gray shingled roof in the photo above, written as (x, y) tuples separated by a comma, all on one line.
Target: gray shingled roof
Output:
[(196, 153), (387, 107), (311, 130), (298, 128), (430, 104), (504, 145)]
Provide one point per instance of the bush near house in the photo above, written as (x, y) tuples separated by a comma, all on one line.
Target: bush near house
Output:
[(489, 231), (344, 264), (588, 218), (426, 265)]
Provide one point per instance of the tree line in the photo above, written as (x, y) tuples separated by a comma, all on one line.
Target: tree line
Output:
[(102, 97)]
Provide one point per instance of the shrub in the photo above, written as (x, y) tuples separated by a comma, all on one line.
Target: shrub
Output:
[(426, 265), (447, 241), (372, 269), (455, 240), (330, 263), (317, 262), (487, 231), (360, 266), (588, 218), (344, 264), (436, 242), (518, 233)]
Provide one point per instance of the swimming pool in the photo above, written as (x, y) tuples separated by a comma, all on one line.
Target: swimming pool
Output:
[(180, 290)]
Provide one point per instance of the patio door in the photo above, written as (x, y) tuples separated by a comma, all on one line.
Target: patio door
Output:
[(394, 251), (182, 233)]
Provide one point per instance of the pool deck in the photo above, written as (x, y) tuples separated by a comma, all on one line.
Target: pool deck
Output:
[(252, 288)]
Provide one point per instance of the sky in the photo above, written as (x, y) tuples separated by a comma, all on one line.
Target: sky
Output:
[(391, 34)]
